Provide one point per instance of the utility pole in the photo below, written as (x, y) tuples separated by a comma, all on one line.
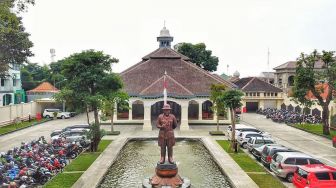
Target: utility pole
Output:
[(268, 60)]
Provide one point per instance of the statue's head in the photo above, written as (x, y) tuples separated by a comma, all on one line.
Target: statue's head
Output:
[(166, 109)]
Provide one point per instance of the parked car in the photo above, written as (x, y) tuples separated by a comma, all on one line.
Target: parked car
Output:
[(269, 151), (77, 126), (49, 113), (245, 136), (309, 176), (256, 152), (334, 141), (284, 164), (56, 132), (255, 142), (73, 135)]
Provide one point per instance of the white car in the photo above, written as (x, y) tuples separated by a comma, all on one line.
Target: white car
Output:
[(245, 128), (238, 127), (245, 136), (49, 113)]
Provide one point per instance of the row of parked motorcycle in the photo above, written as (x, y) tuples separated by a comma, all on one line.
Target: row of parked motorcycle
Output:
[(296, 167), (35, 163), (291, 117)]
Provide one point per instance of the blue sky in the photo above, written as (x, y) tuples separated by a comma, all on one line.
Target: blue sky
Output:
[(238, 32)]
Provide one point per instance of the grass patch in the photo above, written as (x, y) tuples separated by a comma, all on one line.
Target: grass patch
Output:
[(81, 163), (64, 180), (265, 180), (217, 133), (112, 133), (316, 129), (250, 165), (13, 127)]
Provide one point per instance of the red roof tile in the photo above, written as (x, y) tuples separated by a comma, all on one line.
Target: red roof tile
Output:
[(44, 87), (186, 76)]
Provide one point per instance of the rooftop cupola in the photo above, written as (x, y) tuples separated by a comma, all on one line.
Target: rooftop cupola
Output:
[(164, 39)]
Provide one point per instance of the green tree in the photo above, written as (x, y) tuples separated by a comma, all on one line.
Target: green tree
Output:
[(14, 41), (308, 79), (116, 98), (216, 92), (89, 75), (232, 100), (199, 55)]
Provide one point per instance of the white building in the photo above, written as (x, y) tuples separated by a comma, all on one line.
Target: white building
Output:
[(11, 88)]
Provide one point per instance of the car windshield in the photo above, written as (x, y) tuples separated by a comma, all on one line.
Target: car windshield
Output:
[(314, 161), (302, 173)]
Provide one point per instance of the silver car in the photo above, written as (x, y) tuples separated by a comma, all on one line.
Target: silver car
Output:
[(284, 164), (256, 152), (255, 142)]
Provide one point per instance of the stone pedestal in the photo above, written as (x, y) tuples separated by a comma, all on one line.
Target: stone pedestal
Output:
[(166, 176)]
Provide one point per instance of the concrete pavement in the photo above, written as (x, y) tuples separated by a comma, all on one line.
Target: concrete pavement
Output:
[(314, 145), (14, 139)]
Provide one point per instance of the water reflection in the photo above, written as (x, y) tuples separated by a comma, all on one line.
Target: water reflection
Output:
[(138, 160)]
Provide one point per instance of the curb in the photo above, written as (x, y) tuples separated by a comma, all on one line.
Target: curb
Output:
[(33, 124)]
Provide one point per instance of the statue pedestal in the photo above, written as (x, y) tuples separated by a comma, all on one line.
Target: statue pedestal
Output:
[(166, 176)]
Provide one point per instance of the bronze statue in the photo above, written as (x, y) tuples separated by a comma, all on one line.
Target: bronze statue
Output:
[(166, 122)]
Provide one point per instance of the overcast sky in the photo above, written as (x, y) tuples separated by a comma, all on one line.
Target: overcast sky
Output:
[(238, 32)]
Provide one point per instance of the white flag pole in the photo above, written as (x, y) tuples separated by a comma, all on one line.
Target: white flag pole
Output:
[(164, 89)]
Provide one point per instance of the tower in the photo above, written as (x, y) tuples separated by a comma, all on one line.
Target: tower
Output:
[(164, 39), (52, 55)]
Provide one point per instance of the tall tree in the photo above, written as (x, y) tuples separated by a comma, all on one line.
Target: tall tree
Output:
[(216, 92), (198, 55), (14, 41), (232, 100), (89, 77), (308, 79)]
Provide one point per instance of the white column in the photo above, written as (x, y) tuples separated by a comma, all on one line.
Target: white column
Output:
[(147, 126), (130, 115), (229, 115), (200, 104), (184, 116)]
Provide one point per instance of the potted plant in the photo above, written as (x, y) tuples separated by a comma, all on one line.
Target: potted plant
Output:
[(55, 115)]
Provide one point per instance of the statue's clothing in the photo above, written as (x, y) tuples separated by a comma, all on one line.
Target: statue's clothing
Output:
[(166, 133)]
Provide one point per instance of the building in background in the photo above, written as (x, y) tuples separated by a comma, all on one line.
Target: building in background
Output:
[(259, 94), (188, 88), (11, 88), (267, 77)]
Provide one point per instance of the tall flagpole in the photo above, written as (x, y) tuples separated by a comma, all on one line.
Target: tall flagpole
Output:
[(165, 88)]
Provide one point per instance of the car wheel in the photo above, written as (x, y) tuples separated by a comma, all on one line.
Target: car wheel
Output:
[(244, 145), (290, 178), (47, 116), (63, 117)]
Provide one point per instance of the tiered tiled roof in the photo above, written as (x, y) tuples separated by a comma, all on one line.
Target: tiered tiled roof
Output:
[(44, 87), (254, 84), (185, 79)]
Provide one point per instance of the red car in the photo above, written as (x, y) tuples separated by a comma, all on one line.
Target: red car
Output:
[(316, 175), (334, 141)]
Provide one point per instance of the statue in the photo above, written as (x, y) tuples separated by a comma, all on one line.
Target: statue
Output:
[(166, 123)]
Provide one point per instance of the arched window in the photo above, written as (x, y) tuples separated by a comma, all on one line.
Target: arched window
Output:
[(207, 113), (290, 108), (291, 80), (137, 110), (298, 109), (283, 106), (193, 109), (122, 112), (316, 112)]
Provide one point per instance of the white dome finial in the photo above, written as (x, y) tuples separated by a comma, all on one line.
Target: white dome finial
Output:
[(236, 74)]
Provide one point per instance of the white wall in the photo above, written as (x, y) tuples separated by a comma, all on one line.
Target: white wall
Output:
[(9, 113)]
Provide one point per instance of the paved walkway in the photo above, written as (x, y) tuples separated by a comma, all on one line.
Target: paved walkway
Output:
[(14, 139), (314, 145)]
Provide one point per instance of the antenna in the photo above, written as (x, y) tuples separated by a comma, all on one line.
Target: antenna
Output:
[(52, 54), (164, 23), (227, 69)]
